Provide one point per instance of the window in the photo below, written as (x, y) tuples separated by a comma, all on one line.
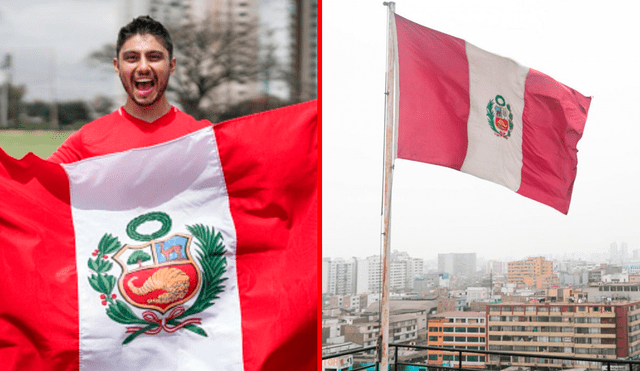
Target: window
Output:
[(433, 357), (433, 338), (448, 338), (460, 339)]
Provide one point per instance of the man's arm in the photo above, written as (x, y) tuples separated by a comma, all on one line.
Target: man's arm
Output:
[(70, 151)]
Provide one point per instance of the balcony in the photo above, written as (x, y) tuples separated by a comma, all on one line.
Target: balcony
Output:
[(420, 358)]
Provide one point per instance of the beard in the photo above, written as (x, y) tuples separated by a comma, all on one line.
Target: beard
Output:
[(159, 84)]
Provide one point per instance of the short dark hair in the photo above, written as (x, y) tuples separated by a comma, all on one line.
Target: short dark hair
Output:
[(144, 25)]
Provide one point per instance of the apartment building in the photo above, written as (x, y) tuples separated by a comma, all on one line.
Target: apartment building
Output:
[(587, 330), (403, 328), (461, 330), (534, 272)]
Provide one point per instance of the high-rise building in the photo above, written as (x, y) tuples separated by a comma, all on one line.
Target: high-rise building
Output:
[(241, 19), (369, 275), (342, 277), (408, 269), (613, 252), (534, 272), (305, 49), (403, 271), (586, 330), (326, 262), (457, 264)]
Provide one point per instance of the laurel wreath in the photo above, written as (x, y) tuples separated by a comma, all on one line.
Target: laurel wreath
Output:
[(153, 216), (211, 259), (491, 116)]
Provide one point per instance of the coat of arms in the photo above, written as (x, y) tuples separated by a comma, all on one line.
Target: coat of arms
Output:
[(500, 117), (159, 276)]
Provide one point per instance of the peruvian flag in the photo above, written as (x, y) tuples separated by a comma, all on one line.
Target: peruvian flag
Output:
[(473, 111), (199, 253)]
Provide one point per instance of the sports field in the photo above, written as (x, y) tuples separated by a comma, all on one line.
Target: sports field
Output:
[(18, 143)]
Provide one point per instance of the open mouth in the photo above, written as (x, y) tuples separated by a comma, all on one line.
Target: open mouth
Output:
[(144, 87)]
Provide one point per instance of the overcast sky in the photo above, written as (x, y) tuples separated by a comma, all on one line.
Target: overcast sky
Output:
[(583, 44), (50, 38)]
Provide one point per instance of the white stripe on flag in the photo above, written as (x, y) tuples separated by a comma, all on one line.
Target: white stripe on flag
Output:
[(184, 179), (489, 156)]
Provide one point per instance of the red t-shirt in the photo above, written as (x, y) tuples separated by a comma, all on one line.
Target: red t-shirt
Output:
[(119, 131)]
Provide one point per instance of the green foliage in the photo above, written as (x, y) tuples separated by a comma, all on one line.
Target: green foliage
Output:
[(120, 312), (108, 244), (102, 283), (490, 115), (38, 109), (100, 265), (211, 258), (70, 113), (138, 257)]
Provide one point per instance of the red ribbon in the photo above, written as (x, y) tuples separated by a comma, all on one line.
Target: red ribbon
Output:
[(151, 317)]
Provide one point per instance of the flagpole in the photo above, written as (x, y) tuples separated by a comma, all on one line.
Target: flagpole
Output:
[(389, 157)]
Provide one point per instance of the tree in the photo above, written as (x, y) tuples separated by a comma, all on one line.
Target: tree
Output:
[(73, 112), (103, 57), (138, 257), (213, 54)]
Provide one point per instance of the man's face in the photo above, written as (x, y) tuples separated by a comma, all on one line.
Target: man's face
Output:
[(144, 67)]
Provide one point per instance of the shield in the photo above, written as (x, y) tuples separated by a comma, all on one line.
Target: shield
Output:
[(160, 274)]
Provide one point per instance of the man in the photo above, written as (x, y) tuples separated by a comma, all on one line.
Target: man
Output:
[(144, 61), (245, 193)]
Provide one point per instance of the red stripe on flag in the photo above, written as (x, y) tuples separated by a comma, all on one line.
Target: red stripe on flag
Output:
[(39, 305), (553, 121), (270, 168), (434, 101)]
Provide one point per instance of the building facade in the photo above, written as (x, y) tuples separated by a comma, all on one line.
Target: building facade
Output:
[(587, 330), (460, 330), (534, 272), (342, 276), (457, 264)]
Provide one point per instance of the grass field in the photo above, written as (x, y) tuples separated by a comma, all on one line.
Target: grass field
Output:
[(18, 143)]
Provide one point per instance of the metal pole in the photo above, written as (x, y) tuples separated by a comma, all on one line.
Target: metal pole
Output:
[(5, 91), (395, 358), (4, 103), (54, 100), (389, 156)]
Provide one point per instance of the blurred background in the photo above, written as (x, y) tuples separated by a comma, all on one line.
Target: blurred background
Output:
[(235, 57)]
